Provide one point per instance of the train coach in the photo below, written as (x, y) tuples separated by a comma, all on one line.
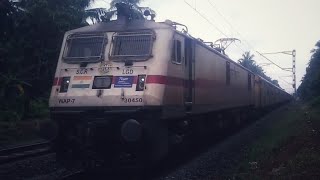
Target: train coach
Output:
[(127, 90)]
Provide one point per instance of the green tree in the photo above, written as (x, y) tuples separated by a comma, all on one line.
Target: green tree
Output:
[(310, 86), (132, 8), (29, 48), (248, 62)]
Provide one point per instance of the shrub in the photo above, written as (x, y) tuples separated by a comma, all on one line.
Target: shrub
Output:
[(38, 108)]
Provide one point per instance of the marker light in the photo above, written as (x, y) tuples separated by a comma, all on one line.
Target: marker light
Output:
[(64, 84), (141, 82)]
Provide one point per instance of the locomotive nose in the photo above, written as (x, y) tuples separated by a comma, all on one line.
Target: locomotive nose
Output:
[(131, 130)]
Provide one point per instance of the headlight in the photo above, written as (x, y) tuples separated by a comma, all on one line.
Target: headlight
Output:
[(64, 84), (141, 82), (102, 82)]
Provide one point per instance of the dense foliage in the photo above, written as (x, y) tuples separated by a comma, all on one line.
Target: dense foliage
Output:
[(132, 9), (248, 62), (31, 34), (310, 86)]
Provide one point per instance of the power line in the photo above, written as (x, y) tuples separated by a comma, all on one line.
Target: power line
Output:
[(211, 4), (220, 31), (247, 42), (205, 18), (232, 27), (285, 81), (226, 20), (272, 62)]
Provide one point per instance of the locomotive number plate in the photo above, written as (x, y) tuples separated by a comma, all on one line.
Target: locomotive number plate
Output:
[(132, 100)]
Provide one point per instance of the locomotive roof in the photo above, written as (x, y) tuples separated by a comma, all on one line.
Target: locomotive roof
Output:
[(120, 26), (230, 60), (146, 24)]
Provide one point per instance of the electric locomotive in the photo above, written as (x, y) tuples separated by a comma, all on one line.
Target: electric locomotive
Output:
[(126, 90)]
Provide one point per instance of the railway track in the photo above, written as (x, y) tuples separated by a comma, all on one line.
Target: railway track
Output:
[(80, 174), (25, 151)]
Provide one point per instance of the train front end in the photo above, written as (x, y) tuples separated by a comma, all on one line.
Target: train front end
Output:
[(107, 92)]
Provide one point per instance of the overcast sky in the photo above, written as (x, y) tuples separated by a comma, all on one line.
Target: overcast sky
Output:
[(261, 25)]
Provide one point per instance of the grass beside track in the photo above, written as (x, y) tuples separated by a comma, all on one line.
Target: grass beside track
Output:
[(288, 149), (25, 131)]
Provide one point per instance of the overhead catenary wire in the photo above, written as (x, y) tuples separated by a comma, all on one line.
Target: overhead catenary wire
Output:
[(205, 18), (247, 42), (237, 32), (215, 27), (226, 20), (284, 69), (285, 81), (285, 85), (232, 28), (221, 32)]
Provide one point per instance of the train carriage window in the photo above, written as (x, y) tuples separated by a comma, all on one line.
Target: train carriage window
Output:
[(249, 82), (228, 73), (176, 52)]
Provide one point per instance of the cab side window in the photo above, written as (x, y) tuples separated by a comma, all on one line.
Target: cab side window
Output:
[(176, 52)]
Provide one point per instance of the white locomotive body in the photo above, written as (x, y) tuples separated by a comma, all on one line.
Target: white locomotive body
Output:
[(131, 87)]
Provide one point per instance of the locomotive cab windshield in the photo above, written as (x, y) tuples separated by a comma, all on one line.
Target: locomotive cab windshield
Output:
[(84, 48), (132, 46)]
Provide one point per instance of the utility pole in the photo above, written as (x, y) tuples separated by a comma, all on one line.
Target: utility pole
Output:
[(293, 69)]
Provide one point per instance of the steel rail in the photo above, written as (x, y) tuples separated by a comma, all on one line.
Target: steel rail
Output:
[(21, 152)]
